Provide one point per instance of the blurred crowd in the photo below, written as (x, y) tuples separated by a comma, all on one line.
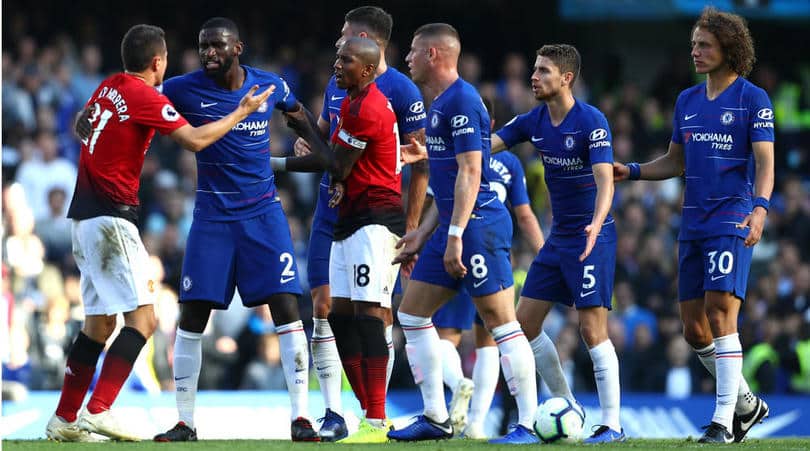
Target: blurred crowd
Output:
[(45, 83)]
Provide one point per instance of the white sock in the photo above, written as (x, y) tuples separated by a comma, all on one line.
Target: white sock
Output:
[(187, 362), (326, 359), (295, 361), (728, 364), (389, 340), (745, 399), (485, 377), (548, 366), (606, 372), (451, 364), (518, 369), (423, 354)]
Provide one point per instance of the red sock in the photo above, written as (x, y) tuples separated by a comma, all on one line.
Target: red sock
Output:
[(81, 365), (117, 366), (376, 370), (353, 366)]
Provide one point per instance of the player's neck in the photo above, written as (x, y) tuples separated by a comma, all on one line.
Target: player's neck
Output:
[(717, 81), (355, 91), (382, 66), (443, 79), (233, 79), (143, 76), (559, 106)]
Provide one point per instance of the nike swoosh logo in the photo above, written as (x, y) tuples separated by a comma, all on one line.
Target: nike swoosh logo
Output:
[(717, 277), (206, 105), (446, 429), (586, 293), (287, 279), (478, 284), (537, 140), (337, 98), (181, 378), (689, 116)]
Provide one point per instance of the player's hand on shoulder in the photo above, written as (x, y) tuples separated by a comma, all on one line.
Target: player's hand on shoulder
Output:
[(620, 172), (337, 190), (82, 127), (251, 102), (413, 152), (755, 221), (301, 147)]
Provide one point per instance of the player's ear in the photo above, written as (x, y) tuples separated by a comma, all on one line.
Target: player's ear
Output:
[(239, 47), (569, 78)]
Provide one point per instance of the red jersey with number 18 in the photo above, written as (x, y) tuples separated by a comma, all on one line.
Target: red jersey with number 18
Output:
[(124, 113), (373, 188)]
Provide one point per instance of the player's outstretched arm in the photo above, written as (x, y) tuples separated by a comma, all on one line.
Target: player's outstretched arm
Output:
[(412, 152), (417, 187), (528, 224), (763, 188), (196, 139), (413, 241), (312, 152), (669, 165), (603, 176)]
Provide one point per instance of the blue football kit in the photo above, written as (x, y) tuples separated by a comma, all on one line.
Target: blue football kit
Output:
[(717, 137), (458, 122), (409, 109), (240, 236), (568, 151), (508, 180)]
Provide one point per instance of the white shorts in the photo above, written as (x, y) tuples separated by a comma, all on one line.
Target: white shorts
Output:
[(114, 266), (360, 266)]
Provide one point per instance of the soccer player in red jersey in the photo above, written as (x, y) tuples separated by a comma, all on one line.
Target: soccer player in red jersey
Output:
[(365, 166), (117, 125)]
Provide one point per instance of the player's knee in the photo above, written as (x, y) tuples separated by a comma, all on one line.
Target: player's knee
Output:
[(592, 335), (99, 328), (284, 308), (321, 302), (696, 334)]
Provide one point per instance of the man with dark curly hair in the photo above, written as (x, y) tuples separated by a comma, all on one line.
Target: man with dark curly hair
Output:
[(722, 143)]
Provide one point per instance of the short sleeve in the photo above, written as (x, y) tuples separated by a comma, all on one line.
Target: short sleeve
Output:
[(760, 113), (600, 149), (514, 131), (356, 131), (156, 111), (465, 125), (409, 107), (286, 100)]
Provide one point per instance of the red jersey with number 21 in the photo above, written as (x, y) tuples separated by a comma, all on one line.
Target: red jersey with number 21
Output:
[(125, 112), (373, 188)]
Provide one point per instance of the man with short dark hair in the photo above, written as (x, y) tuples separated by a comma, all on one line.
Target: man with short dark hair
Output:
[(722, 143), (240, 237), (116, 128)]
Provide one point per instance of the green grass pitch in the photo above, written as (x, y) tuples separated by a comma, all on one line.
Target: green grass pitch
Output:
[(450, 445)]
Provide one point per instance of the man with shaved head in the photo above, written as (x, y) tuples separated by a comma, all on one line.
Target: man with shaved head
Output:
[(469, 248), (365, 167), (374, 23)]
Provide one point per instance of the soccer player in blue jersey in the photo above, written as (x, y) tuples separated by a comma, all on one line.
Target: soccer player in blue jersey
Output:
[(576, 264), (240, 237), (507, 179), (470, 246), (374, 23), (722, 144)]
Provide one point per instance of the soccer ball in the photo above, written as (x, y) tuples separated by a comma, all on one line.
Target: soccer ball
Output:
[(559, 419)]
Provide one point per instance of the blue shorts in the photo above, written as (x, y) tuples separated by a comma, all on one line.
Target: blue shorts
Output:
[(719, 263), (254, 255), (485, 253), (557, 275), (457, 313), (320, 241)]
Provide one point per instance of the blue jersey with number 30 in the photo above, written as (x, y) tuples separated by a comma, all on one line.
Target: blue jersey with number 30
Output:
[(717, 137)]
